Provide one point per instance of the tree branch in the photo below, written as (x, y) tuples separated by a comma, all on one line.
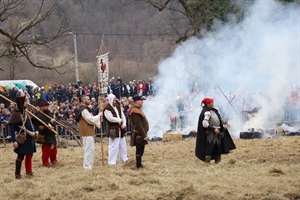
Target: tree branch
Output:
[(14, 44)]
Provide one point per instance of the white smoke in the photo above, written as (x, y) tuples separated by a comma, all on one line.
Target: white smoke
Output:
[(288, 128), (250, 64)]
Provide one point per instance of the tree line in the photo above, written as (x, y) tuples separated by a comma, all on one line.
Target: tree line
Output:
[(36, 36)]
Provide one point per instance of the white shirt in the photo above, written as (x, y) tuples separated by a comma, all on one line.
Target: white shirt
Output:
[(90, 119)]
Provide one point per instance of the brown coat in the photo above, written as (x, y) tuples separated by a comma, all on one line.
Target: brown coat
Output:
[(114, 126), (139, 124), (85, 129)]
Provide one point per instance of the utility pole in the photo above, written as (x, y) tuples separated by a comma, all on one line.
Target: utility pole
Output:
[(76, 56)]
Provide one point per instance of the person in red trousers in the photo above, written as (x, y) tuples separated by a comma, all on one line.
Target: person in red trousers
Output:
[(49, 147)]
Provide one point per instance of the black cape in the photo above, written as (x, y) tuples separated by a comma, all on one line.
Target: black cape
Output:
[(226, 142)]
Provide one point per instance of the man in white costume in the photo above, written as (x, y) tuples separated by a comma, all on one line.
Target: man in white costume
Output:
[(116, 128), (87, 123)]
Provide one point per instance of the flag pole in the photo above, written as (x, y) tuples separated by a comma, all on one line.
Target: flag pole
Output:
[(100, 100)]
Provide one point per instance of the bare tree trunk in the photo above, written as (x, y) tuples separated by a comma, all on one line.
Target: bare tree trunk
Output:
[(12, 68)]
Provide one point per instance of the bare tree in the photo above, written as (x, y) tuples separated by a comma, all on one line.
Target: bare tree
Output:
[(20, 18), (190, 18)]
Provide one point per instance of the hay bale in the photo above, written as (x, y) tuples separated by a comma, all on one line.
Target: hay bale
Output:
[(172, 136)]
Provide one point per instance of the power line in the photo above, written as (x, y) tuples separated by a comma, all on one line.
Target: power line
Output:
[(129, 34)]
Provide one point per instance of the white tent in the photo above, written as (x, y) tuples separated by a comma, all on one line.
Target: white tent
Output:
[(20, 84)]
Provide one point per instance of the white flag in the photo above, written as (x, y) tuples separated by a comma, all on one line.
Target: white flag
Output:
[(103, 70)]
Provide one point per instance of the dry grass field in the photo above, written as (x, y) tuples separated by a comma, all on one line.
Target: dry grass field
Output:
[(266, 169)]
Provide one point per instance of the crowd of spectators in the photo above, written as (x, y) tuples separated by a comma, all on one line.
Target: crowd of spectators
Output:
[(64, 99)]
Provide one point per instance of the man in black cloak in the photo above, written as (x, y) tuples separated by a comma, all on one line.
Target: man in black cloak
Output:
[(213, 138)]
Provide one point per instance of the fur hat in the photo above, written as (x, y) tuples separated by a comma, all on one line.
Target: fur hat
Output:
[(137, 97)]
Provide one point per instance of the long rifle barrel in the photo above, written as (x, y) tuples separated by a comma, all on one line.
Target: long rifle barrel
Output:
[(46, 115), (30, 113)]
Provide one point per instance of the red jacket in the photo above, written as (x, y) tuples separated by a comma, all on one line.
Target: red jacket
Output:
[(141, 86)]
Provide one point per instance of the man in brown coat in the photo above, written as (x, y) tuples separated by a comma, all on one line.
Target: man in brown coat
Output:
[(140, 128)]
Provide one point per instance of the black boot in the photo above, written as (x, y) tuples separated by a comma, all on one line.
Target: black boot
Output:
[(139, 162), (217, 158), (207, 159), (18, 169)]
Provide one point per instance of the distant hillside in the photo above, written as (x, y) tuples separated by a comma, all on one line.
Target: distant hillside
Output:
[(130, 33)]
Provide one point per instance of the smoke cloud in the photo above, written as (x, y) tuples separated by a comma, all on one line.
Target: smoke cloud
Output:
[(254, 63)]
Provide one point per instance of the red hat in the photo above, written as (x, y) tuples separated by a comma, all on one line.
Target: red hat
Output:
[(42, 102), (207, 100)]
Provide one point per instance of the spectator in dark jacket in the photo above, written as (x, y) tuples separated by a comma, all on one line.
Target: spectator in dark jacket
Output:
[(118, 90), (50, 94), (58, 95), (80, 91)]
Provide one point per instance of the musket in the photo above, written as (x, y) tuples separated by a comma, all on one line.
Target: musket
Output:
[(30, 113), (47, 116), (73, 131), (42, 122)]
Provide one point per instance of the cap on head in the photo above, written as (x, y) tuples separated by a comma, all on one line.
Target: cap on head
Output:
[(207, 100), (137, 97), (42, 102)]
